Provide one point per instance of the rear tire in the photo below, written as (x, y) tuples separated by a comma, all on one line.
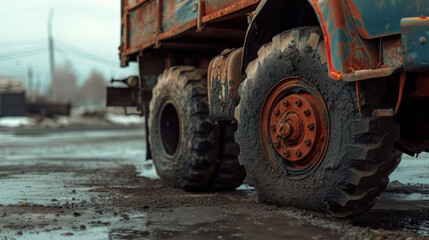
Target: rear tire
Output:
[(229, 174), (353, 156), (184, 140)]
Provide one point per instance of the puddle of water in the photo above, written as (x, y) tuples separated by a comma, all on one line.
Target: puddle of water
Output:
[(41, 189), (406, 197), (93, 233)]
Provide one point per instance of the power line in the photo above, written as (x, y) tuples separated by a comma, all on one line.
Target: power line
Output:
[(21, 51), (85, 54), (22, 55), (64, 48), (17, 44)]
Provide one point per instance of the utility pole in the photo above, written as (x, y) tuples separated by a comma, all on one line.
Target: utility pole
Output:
[(51, 54), (30, 79)]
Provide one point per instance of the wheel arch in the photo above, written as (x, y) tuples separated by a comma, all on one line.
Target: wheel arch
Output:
[(346, 50)]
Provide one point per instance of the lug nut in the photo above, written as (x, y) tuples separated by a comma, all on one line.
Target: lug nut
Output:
[(310, 126), (298, 102), (276, 112), (286, 103), (307, 112), (286, 154), (273, 128), (298, 153), (307, 142), (277, 144)]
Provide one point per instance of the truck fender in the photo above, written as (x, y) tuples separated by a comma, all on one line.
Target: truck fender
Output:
[(346, 50)]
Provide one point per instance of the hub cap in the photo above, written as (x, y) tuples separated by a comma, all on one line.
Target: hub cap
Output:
[(294, 126)]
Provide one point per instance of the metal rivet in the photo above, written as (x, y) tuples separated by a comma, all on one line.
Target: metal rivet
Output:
[(422, 40)]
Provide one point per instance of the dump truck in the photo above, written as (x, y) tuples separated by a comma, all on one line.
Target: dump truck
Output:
[(312, 101)]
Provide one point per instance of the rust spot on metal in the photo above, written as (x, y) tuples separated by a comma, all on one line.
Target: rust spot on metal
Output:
[(392, 51), (224, 78), (357, 18), (228, 9), (332, 73)]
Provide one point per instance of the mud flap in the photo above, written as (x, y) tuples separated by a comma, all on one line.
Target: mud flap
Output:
[(121, 97)]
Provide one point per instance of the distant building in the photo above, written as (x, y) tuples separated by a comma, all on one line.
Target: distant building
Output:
[(12, 97)]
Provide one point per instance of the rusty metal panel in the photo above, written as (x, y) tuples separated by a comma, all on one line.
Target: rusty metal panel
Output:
[(347, 52), (178, 12), (141, 23), (415, 43), (218, 9), (147, 22), (378, 18), (392, 51), (347, 25), (216, 5)]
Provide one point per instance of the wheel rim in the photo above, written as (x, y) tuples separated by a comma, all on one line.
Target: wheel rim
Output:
[(294, 126), (169, 128)]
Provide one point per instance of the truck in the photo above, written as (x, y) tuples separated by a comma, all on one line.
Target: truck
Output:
[(313, 102)]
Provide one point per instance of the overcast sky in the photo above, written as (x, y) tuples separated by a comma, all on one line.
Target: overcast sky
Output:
[(84, 31)]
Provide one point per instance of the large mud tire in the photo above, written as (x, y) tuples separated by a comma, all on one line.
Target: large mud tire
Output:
[(229, 174), (359, 154), (183, 138)]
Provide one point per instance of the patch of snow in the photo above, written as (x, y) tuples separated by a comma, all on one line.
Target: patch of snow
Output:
[(147, 170), (64, 121), (14, 122), (244, 187), (124, 120)]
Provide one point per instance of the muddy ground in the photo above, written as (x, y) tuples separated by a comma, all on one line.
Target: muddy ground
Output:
[(88, 182)]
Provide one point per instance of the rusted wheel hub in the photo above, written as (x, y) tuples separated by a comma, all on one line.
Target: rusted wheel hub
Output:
[(294, 125)]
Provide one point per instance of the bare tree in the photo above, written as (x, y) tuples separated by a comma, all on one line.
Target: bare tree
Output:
[(94, 90)]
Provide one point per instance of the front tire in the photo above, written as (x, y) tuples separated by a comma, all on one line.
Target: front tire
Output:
[(339, 164)]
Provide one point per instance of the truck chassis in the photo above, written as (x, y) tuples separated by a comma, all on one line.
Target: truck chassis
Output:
[(317, 99)]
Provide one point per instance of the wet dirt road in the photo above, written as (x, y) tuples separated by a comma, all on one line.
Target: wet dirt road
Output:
[(81, 183)]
